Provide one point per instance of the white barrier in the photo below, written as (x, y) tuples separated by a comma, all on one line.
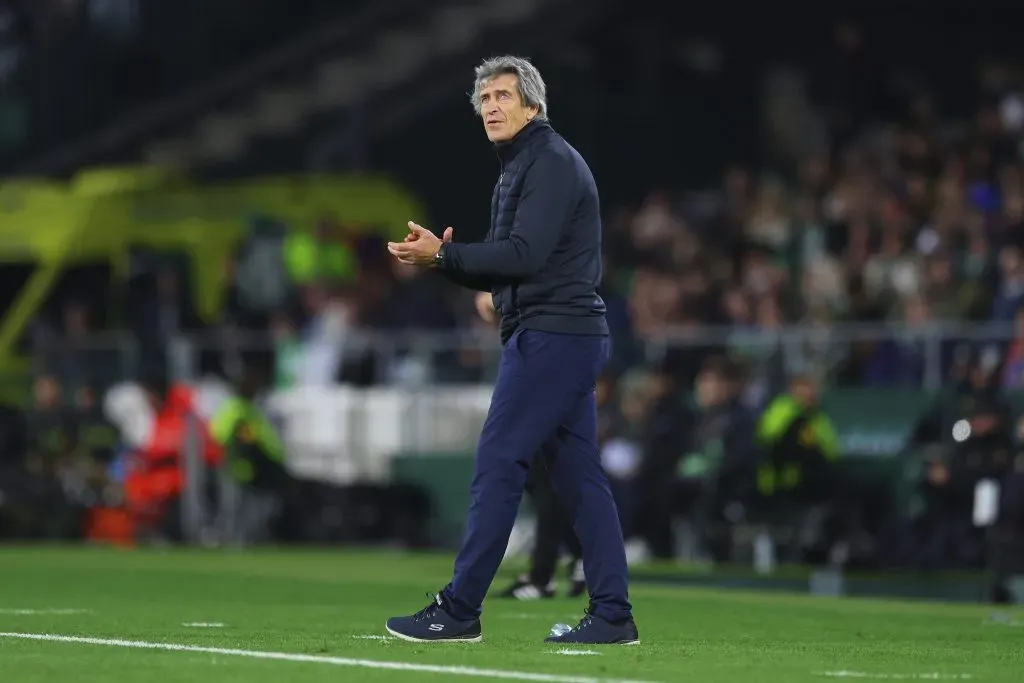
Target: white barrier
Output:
[(341, 434), (338, 433)]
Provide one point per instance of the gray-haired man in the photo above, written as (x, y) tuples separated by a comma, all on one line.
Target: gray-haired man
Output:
[(541, 261)]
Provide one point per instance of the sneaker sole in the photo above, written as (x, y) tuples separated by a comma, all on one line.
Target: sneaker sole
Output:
[(410, 639), (624, 642)]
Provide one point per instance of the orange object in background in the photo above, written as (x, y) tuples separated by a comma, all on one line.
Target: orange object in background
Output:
[(110, 525), (156, 476)]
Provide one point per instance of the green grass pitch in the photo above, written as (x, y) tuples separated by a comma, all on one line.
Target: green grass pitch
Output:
[(100, 615)]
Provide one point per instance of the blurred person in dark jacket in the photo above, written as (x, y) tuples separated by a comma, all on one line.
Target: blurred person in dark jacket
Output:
[(13, 447), (975, 426), (414, 307), (694, 457), (553, 531), (656, 422), (40, 506), (52, 428), (98, 441), (1006, 537), (159, 307), (715, 473)]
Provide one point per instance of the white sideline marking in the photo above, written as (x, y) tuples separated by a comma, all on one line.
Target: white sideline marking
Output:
[(576, 652), (44, 612), (373, 638), (204, 624), (316, 659), (897, 677)]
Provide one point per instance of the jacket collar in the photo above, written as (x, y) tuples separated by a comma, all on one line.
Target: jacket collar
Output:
[(508, 149)]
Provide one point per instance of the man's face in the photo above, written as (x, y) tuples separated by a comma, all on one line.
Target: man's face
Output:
[(47, 393), (502, 109), (805, 392), (711, 389)]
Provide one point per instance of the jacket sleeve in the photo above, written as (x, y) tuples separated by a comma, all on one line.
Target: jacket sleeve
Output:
[(549, 196), (477, 282)]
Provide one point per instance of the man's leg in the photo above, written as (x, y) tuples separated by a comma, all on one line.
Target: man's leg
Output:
[(1006, 540), (583, 489), (551, 527)]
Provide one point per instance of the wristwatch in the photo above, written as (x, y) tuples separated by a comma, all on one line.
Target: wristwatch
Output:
[(439, 257)]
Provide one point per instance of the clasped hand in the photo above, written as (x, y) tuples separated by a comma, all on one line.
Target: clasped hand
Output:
[(420, 246)]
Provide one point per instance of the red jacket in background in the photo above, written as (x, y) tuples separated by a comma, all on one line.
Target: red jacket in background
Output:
[(157, 475)]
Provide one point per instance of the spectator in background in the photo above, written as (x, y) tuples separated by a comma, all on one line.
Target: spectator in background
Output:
[(900, 361), (799, 445), (798, 480), (258, 279), (1013, 365), (718, 467), (325, 341), (951, 299), (1010, 294), (156, 477), (621, 418), (647, 454), (13, 476), (43, 505), (1006, 538), (160, 308), (944, 535), (54, 429), (256, 493), (415, 312), (288, 351), (321, 256), (62, 348)]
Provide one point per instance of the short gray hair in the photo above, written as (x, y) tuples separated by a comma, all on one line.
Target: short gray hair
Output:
[(532, 90)]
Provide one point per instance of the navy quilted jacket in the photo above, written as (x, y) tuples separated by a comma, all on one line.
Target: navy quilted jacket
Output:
[(541, 259)]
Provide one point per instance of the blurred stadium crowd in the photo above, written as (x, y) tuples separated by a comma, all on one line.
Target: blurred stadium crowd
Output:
[(879, 243)]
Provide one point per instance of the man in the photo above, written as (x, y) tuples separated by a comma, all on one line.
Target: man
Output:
[(254, 490), (798, 479), (800, 444), (697, 461), (947, 534), (541, 261)]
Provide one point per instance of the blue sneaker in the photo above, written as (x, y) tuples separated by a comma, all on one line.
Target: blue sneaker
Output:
[(593, 630), (433, 624)]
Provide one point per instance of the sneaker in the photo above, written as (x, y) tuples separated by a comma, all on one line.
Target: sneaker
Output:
[(524, 589), (433, 624), (577, 579), (593, 630)]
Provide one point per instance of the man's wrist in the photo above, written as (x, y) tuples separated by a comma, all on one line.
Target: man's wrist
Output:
[(441, 257)]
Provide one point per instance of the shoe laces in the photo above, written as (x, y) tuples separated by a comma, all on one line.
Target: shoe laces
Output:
[(588, 618), (430, 610)]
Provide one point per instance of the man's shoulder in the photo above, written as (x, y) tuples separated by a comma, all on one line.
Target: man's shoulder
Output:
[(553, 153), (553, 145)]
